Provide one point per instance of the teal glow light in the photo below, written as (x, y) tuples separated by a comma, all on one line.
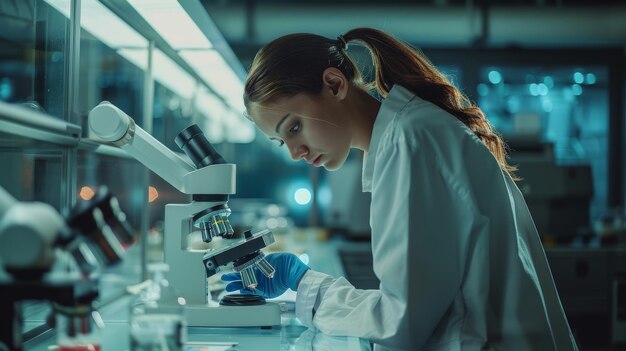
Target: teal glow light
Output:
[(579, 78), (590, 78), (302, 196), (495, 77)]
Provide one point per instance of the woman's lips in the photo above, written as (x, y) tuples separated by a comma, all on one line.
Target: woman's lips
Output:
[(317, 161)]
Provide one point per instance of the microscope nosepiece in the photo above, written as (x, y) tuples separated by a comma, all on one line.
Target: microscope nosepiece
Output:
[(214, 223)]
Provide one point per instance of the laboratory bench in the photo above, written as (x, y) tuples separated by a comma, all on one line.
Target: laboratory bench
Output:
[(323, 256)]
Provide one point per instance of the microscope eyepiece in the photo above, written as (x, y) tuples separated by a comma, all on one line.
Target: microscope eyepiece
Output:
[(193, 142)]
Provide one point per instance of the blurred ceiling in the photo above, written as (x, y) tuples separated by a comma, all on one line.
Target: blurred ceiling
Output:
[(249, 24)]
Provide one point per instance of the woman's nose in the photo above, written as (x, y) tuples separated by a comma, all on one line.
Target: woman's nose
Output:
[(298, 152)]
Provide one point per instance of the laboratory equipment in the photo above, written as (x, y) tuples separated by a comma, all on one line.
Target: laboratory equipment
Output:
[(95, 233), (157, 320), (210, 181)]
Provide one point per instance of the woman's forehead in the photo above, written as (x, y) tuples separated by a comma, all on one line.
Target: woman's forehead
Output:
[(268, 112), (267, 115), (289, 104)]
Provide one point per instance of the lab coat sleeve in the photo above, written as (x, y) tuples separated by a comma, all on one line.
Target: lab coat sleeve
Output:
[(311, 290), (420, 215)]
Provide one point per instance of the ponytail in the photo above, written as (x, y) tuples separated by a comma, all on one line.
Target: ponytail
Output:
[(397, 63)]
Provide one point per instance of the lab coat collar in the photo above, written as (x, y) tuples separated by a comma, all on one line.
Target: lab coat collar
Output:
[(395, 101)]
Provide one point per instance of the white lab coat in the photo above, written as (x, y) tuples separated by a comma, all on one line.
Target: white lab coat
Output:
[(460, 263)]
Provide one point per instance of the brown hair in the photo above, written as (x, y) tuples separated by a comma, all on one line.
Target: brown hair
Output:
[(294, 64)]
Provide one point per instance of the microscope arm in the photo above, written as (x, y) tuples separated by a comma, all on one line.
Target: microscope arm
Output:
[(111, 124)]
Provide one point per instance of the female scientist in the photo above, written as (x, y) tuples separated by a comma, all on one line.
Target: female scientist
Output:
[(460, 263)]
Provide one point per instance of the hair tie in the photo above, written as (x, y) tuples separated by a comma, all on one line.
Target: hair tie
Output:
[(341, 42)]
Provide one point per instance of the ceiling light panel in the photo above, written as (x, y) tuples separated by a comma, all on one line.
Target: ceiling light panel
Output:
[(171, 75), (172, 23), (108, 28), (217, 73)]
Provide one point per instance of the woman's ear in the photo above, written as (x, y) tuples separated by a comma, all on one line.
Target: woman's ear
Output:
[(335, 83)]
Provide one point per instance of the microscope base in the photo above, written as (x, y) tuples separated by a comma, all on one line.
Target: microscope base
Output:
[(266, 315)]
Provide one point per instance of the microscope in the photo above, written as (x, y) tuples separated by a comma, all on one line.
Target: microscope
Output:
[(210, 180), (32, 234)]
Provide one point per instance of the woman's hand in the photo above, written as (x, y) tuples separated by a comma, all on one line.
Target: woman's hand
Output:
[(289, 272)]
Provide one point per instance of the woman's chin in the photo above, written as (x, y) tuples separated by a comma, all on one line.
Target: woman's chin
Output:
[(331, 166)]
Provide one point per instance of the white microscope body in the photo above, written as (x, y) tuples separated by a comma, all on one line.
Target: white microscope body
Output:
[(210, 184)]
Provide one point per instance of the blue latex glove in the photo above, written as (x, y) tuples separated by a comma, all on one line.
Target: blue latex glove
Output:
[(289, 271)]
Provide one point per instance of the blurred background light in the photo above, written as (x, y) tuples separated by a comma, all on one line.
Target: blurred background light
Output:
[(6, 89), (272, 223), (579, 78), (577, 89), (273, 210), (86, 193), (302, 196), (153, 194), (533, 89), (495, 77), (590, 78)]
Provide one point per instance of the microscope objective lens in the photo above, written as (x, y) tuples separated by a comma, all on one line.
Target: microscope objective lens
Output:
[(248, 279), (265, 268), (229, 229), (217, 225), (205, 230)]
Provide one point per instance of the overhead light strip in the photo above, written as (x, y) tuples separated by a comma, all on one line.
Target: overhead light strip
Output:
[(172, 23)]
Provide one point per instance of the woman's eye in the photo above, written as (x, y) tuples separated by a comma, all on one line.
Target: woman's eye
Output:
[(295, 128), (280, 143)]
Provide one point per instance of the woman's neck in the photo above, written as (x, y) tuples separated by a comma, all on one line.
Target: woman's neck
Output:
[(364, 109)]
